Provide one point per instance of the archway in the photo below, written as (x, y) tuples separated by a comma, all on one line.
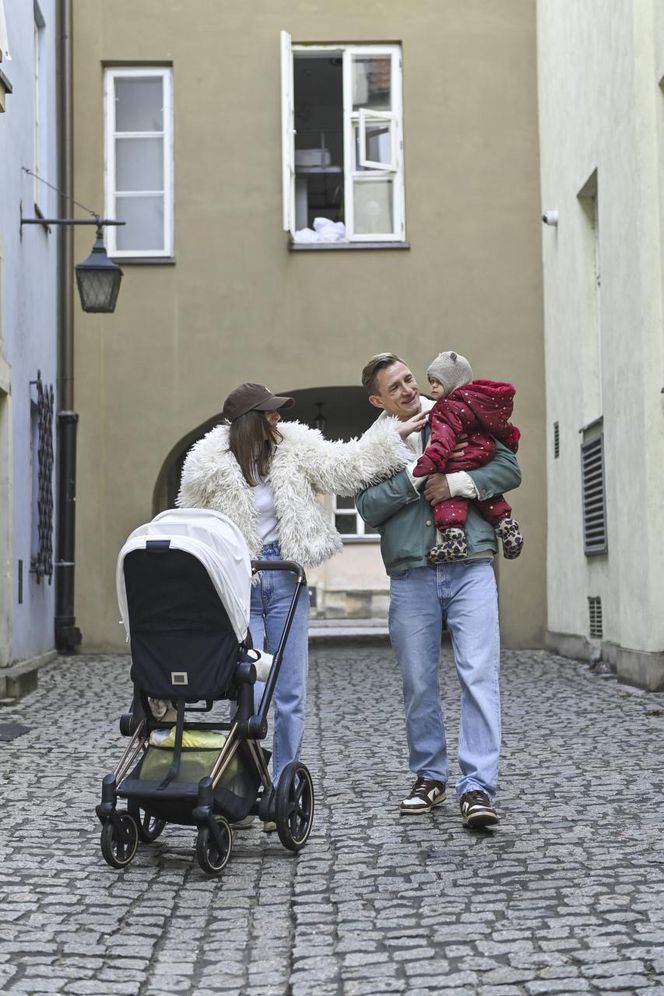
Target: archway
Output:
[(353, 584), (346, 412)]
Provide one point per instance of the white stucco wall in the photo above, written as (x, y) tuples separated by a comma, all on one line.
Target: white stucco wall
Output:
[(29, 308), (601, 107)]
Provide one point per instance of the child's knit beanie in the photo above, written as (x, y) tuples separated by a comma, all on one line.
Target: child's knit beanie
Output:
[(450, 369)]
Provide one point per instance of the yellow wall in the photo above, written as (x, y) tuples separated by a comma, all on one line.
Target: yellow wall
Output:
[(238, 306)]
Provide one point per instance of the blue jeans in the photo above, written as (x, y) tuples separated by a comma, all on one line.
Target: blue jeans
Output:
[(465, 595), (270, 600)]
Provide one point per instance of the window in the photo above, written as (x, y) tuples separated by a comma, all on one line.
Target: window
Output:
[(39, 114), (5, 85), (342, 143), (139, 161), (5, 55), (349, 522)]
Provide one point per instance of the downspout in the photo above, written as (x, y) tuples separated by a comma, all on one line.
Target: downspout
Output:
[(67, 635)]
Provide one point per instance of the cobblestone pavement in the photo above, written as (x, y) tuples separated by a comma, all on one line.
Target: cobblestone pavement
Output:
[(565, 896)]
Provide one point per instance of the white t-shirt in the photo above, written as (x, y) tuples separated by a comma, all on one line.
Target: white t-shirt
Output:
[(268, 527)]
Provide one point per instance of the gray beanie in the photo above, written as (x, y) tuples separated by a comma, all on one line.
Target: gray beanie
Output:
[(452, 370)]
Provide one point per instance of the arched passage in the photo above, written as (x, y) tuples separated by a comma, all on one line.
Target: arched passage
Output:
[(353, 583), (345, 410)]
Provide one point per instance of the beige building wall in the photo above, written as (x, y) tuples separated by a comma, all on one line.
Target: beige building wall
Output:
[(600, 96), (237, 305)]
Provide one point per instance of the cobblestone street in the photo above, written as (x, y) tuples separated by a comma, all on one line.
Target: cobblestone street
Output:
[(565, 896)]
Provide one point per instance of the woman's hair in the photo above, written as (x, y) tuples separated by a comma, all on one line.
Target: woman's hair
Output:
[(252, 440)]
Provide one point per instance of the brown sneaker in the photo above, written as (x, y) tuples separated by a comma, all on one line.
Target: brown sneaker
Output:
[(477, 810), (424, 795)]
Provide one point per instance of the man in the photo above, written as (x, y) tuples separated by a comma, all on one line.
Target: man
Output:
[(422, 597)]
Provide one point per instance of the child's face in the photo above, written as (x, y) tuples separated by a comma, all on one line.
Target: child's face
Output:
[(437, 390)]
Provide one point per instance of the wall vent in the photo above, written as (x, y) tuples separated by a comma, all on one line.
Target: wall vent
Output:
[(556, 440), (595, 628), (594, 497)]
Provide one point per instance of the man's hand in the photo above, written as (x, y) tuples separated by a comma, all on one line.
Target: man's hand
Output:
[(436, 489), (413, 424)]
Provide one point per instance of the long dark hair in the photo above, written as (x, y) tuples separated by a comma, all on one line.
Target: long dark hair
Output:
[(252, 440)]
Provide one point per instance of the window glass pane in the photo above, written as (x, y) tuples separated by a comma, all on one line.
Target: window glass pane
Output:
[(373, 206), (372, 82), (139, 103), (378, 146), (345, 502), (139, 164), (346, 524), (145, 223)]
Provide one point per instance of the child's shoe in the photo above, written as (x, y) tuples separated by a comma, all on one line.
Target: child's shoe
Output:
[(453, 546), (511, 536)]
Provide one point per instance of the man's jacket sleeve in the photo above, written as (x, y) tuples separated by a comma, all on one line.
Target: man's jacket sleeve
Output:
[(498, 475), (380, 502)]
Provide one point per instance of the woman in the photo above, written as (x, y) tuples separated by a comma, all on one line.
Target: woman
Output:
[(265, 477)]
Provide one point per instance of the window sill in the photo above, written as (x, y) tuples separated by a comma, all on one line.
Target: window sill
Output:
[(351, 540), (143, 260), (343, 246)]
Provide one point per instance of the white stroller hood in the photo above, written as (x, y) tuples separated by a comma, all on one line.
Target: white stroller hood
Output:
[(215, 541)]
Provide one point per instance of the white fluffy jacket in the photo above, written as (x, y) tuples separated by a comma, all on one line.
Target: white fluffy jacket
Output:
[(304, 464)]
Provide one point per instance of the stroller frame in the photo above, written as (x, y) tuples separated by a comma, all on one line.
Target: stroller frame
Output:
[(290, 805)]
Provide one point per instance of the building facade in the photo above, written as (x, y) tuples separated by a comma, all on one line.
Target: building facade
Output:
[(304, 185), (601, 112), (28, 341)]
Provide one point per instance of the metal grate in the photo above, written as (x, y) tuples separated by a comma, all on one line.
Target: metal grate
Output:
[(41, 564), (594, 497), (595, 628), (556, 440)]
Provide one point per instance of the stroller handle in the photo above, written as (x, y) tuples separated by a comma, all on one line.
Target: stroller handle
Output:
[(301, 583), (279, 565)]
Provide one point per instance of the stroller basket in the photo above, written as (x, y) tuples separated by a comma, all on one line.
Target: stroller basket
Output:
[(184, 583)]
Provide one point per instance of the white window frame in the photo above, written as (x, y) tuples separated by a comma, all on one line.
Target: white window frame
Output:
[(165, 73), (38, 141), (360, 535), (5, 54), (359, 118)]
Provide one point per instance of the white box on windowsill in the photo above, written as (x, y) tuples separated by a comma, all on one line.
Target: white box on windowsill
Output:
[(312, 157)]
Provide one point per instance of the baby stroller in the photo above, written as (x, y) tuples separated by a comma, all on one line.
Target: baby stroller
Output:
[(184, 583)]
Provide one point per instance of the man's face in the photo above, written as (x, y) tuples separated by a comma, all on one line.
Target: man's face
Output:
[(397, 392)]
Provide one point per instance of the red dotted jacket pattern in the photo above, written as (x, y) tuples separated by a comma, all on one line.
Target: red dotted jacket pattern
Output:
[(480, 410)]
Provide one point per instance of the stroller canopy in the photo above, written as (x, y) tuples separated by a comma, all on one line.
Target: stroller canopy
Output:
[(215, 541)]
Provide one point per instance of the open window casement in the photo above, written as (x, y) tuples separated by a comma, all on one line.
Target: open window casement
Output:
[(372, 118), (342, 141), (376, 139), (5, 54), (288, 132)]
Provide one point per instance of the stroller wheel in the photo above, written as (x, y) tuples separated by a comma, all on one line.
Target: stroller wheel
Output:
[(119, 840), (213, 852), (294, 810), (149, 827)]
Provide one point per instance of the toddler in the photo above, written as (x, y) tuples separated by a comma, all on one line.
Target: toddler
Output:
[(479, 410)]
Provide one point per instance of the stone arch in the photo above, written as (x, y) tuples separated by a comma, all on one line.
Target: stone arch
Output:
[(345, 409)]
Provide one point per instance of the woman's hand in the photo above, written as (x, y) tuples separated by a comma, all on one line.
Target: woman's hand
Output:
[(413, 424)]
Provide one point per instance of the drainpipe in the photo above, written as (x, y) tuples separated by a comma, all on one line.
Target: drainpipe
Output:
[(67, 635)]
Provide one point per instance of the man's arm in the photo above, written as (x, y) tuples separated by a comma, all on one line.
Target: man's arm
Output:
[(500, 474), (380, 502)]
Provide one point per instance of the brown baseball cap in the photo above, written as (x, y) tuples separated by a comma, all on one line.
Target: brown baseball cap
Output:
[(253, 398)]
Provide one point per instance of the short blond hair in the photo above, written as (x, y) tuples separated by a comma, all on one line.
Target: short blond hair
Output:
[(377, 363)]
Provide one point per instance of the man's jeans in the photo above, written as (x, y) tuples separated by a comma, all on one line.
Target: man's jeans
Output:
[(465, 595), (270, 600)]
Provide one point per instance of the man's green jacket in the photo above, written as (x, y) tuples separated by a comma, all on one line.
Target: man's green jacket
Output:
[(404, 517)]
